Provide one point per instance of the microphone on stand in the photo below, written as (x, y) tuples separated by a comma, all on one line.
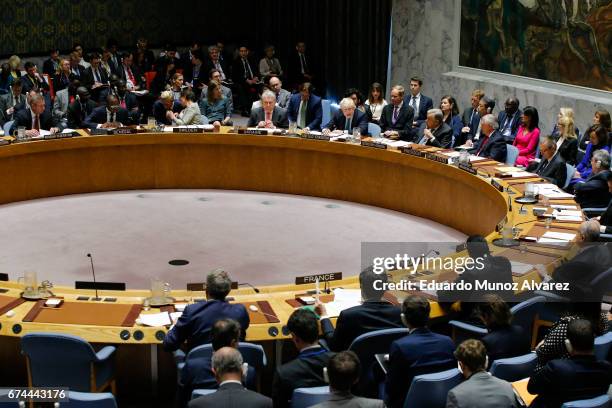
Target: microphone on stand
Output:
[(93, 273), (250, 286)]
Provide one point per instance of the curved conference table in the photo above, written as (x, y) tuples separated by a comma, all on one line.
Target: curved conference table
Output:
[(384, 178)]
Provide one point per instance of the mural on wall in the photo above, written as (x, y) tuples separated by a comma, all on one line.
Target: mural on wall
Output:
[(564, 41)]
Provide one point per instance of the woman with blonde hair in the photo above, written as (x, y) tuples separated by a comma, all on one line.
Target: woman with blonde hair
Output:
[(15, 63), (567, 142)]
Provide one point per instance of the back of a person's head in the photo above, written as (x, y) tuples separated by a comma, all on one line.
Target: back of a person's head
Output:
[(218, 284), (225, 333), (226, 360), (477, 246), (303, 324), (367, 277), (343, 370), (415, 311), (494, 312), (590, 311), (472, 354), (580, 337)]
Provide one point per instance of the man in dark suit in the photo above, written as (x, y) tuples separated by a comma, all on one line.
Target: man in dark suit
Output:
[(142, 44), (76, 69), (35, 118), (111, 115), (472, 133), (419, 102), (434, 132), (214, 62), (491, 144), (594, 191), (9, 102), (128, 101), (307, 369), (51, 65), (375, 313), (130, 73), (397, 117), (269, 116), (305, 108), (32, 80), (194, 325), (470, 117), (579, 377), (509, 119), (246, 78), (480, 389), (194, 72), (300, 67), (112, 46), (227, 366), (421, 351), (605, 220), (552, 166), (164, 104), (343, 371), (79, 109), (347, 118), (95, 77)]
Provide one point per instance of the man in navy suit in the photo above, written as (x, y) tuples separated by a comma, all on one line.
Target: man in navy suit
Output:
[(34, 118), (397, 117), (421, 351), (375, 313), (579, 377), (304, 108), (194, 325), (491, 143), (594, 191), (307, 369), (419, 102), (111, 115), (164, 104), (509, 119), (347, 118), (434, 132)]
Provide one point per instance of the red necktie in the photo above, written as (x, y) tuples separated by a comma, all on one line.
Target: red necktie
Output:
[(36, 123), (123, 103), (482, 145), (268, 118), (71, 99)]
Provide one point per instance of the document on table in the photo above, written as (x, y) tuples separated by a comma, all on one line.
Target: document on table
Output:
[(343, 299), (563, 236), (568, 218), (570, 213), (564, 207), (519, 268), (155, 319), (393, 143)]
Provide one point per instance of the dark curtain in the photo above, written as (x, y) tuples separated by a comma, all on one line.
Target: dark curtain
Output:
[(348, 39)]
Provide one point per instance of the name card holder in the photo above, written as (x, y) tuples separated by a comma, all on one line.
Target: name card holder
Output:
[(323, 277), (468, 168), (313, 136), (413, 152), (260, 132), (497, 185), (187, 130), (124, 131), (376, 145)]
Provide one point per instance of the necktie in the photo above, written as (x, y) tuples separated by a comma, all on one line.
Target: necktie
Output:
[(123, 103), (303, 63), (268, 118), (395, 114), (544, 164), (96, 75), (112, 117), (472, 115), (482, 145), (36, 123), (413, 103), (302, 115), (218, 68), (347, 125), (247, 69)]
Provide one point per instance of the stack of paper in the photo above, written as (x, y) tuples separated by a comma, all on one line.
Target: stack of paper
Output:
[(568, 215), (343, 299), (155, 319), (551, 191), (519, 268), (556, 238)]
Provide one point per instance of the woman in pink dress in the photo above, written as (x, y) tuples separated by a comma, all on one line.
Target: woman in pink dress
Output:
[(527, 136)]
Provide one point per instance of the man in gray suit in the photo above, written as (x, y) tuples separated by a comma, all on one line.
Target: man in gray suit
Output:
[(282, 95), (342, 373), (9, 101), (480, 389), (269, 115), (63, 99), (227, 367)]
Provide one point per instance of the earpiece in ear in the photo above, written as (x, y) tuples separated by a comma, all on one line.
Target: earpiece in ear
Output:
[(568, 346), (486, 362), (403, 317), (245, 371), (325, 375)]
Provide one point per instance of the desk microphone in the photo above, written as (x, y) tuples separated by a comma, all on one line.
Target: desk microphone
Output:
[(250, 286), (93, 272)]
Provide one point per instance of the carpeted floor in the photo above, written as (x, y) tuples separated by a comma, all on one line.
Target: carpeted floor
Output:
[(260, 238)]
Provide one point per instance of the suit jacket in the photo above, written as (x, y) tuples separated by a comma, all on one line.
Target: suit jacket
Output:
[(61, 81), (443, 136), (506, 342), (420, 352), (196, 80), (357, 320), (606, 219), (279, 117), (238, 72), (197, 320), (49, 67), (76, 114), (467, 114), (139, 79), (159, 112), (314, 112), (425, 104), (348, 400), (80, 69), (512, 126), (576, 378), (28, 83), (60, 105), (594, 191), (482, 390), (554, 171), (24, 118), (338, 122), (98, 117), (87, 80), (294, 69), (495, 147), (208, 64), (304, 371), (197, 374), (403, 125), (6, 101), (282, 99), (568, 150), (231, 395)]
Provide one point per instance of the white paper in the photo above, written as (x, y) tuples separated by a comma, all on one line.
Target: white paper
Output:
[(348, 296), (180, 306), (314, 132), (478, 158), (552, 241), (520, 268), (68, 130), (155, 319), (52, 302), (568, 213), (334, 308), (452, 154), (523, 174), (568, 218), (559, 235), (174, 316), (393, 143)]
